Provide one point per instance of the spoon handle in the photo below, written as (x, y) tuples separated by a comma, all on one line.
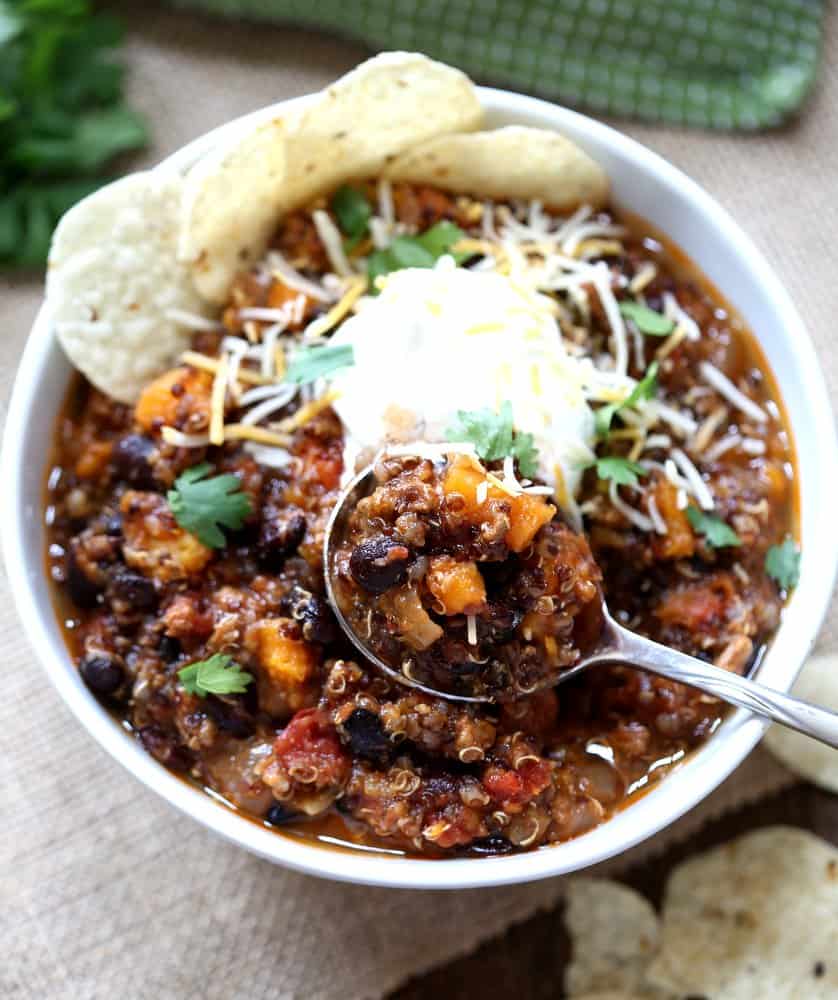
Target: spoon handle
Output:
[(622, 645)]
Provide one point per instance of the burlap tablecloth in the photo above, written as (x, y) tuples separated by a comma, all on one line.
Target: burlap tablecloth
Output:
[(105, 891)]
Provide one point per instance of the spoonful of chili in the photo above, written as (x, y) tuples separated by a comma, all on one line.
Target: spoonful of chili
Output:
[(450, 579)]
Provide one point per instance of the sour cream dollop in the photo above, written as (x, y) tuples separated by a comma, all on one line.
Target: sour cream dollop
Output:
[(440, 340)]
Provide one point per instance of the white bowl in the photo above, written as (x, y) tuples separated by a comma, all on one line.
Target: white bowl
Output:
[(647, 185)]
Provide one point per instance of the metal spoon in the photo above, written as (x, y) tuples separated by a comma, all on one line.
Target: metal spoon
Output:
[(616, 644)]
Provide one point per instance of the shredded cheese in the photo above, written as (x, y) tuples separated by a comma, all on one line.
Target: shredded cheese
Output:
[(631, 514), (308, 412), (180, 440), (325, 323), (704, 435), (722, 446), (722, 384), (206, 364), (293, 279), (471, 630), (643, 278), (219, 394), (244, 432), (672, 310), (699, 488), (332, 241), (655, 515), (270, 405)]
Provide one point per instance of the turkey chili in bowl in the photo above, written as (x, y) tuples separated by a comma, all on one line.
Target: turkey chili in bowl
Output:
[(595, 410)]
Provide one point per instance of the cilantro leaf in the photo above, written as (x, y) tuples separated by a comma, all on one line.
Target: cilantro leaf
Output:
[(782, 564), (62, 117), (311, 363), (645, 389), (647, 320), (217, 675), (416, 251), (623, 471), (200, 505), (494, 437), (718, 534), (525, 451), (353, 212)]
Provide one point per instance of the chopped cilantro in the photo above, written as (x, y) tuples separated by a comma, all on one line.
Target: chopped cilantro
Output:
[(782, 564), (353, 212), (217, 675), (647, 320), (718, 534), (62, 118), (416, 251), (494, 437), (623, 471), (311, 363), (645, 389), (200, 505)]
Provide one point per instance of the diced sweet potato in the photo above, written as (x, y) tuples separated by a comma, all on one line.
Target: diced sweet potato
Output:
[(286, 658), (154, 542), (94, 459), (527, 516), (173, 396), (280, 294), (287, 666), (458, 586), (679, 540)]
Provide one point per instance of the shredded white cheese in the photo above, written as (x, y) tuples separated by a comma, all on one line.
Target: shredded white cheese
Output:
[(293, 279), (638, 519), (193, 321), (697, 485), (332, 241), (722, 384), (471, 630)]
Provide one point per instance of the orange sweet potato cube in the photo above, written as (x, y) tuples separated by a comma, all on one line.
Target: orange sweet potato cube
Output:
[(458, 586)]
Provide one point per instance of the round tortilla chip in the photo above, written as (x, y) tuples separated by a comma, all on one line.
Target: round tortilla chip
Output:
[(232, 199), (388, 104), (818, 763), (756, 917), (113, 276), (511, 162), (614, 936)]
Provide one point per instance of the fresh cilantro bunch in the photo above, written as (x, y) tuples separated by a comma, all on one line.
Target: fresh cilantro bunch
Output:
[(201, 504), (717, 534), (62, 117), (423, 250), (494, 437)]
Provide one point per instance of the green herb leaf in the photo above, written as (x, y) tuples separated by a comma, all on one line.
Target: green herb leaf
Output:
[(353, 212), (494, 437), (782, 564), (647, 320), (718, 534), (623, 471), (217, 675), (645, 389), (200, 505), (416, 251), (311, 363)]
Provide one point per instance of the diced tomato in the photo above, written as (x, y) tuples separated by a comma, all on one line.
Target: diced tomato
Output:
[(309, 741)]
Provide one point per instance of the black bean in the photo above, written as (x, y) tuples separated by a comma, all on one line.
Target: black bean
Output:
[(490, 846), (169, 648), (113, 526), (83, 590), (379, 563), (365, 736), (230, 716), (277, 815), (102, 673), (132, 588), (312, 611), (280, 535), (131, 457), (165, 749)]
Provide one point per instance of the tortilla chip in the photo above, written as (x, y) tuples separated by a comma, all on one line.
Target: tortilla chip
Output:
[(511, 162), (614, 936), (814, 761), (756, 917), (385, 106), (232, 199), (112, 277)]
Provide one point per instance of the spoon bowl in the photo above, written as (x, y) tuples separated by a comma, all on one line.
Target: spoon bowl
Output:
[(615, 644)]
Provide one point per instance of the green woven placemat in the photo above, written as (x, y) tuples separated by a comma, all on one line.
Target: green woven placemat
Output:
[(728, 64)]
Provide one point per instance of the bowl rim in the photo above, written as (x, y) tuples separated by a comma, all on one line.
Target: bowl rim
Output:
[(707, 767)]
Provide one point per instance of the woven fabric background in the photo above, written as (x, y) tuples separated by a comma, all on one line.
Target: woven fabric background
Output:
[(719, 63), (105, 891)]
